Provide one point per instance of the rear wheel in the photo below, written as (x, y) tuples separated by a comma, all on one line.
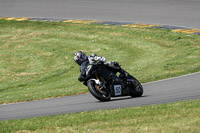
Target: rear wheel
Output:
[(137, 89), (101, 95)]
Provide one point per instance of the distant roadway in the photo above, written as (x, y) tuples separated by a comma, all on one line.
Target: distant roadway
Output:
[(184, 13)]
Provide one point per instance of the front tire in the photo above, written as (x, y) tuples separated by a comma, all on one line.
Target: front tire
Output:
[(93, 90)]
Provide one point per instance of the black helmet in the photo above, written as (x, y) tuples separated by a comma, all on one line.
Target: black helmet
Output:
[(80, 57)]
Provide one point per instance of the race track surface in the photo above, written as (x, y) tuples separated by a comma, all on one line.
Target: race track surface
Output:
[(170, 90), (184, 13)]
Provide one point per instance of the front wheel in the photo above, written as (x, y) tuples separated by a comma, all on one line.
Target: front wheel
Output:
[(92, 87), (137, 89)]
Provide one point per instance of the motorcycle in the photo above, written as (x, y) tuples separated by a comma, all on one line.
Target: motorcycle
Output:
[(104, 83)]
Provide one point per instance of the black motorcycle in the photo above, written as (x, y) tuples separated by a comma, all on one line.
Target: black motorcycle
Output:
[(104, 83)]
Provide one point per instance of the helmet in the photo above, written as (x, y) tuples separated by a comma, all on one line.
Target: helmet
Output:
[(80, 57)]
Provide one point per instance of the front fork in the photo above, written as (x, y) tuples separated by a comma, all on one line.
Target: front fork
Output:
[(100, 84)]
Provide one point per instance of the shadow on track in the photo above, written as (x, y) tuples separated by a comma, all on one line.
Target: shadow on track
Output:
[(125, 98), (121, 98)]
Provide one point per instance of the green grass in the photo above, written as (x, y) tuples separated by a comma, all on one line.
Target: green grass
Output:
[(36, 58), (180, 117)]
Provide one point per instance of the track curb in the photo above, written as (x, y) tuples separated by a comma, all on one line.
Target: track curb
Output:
[(127, 24)]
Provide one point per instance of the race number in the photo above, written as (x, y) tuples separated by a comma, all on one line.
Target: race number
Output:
[(118, 90)]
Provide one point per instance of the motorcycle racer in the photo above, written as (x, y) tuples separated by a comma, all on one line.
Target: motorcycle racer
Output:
[(82, 60)]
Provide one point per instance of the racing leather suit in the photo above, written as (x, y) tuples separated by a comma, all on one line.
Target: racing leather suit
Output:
[(92, 59)]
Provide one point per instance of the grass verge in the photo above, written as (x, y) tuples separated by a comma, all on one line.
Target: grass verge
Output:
[(36, 58), (174, 117)]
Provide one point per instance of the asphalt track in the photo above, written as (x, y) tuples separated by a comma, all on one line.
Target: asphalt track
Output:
[(169, 90), (184, 13)]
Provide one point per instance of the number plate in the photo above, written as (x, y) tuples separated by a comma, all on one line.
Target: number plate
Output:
[(118, 90)]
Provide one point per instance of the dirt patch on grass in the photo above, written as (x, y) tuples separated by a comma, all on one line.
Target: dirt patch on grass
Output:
[(24, 74)]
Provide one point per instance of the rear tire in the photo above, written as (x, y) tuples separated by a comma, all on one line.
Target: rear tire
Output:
[(137, 89), (96, 93)]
